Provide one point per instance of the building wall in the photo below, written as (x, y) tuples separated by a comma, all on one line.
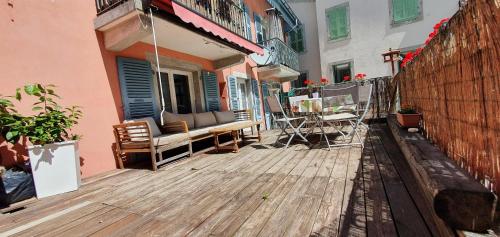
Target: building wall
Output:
[(54, 42), (372, 33), (309, 60)]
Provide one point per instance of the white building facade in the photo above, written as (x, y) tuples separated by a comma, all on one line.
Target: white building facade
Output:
[(310, 64), (353, 34)]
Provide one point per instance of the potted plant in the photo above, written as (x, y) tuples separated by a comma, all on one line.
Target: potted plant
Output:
[(53, 153), (408, 118)]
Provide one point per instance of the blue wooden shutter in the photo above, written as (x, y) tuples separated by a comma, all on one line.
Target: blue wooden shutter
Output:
[(248, 22), (267, 114), (233, 93), (256, 99), (136, 84), (211, 89)]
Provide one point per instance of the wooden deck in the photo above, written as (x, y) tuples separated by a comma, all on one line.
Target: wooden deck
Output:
[(261, 191)]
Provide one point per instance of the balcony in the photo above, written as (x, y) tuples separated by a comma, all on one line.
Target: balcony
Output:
[(280, 63), (225, 13), (211, 29)]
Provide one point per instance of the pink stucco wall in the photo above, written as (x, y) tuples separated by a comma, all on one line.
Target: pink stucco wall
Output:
[(54, 42)]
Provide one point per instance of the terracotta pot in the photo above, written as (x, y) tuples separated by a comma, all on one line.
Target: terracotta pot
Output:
[(408, 120)]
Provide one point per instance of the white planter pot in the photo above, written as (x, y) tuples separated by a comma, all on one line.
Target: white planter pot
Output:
[(55, 167)]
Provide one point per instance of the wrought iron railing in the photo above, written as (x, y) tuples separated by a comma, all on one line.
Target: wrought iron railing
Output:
[(225, 13), (281, 53), (106, 5)]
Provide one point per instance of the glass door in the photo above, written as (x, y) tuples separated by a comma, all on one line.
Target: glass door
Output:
[(243, 94), (178, 91), (182, 94)]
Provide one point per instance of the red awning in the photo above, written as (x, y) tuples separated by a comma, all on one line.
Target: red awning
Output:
[(198, 21)]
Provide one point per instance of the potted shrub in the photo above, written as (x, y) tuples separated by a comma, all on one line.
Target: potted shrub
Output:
[(53, 153), (408, 118)]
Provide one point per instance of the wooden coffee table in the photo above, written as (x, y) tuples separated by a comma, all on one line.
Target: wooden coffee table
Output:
[(234, 130)]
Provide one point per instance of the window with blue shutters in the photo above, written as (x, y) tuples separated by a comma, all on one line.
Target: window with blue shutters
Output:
[(136, 84), (233, 93), (248, 23), (405, 11), (211, 89), (259, 30), (256, 99)]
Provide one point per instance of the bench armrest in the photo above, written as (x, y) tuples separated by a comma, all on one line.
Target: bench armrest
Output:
[(242, 115), (179, 126)]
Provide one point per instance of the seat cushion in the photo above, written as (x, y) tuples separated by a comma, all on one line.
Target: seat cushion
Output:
[(341, 116), (171, 118), (228, 125), (202, 120), (224, 117), (200, 131), (151, 123), (170, 139)]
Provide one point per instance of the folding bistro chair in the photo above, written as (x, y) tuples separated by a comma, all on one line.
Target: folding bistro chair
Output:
[(284, 122), (340, 110)]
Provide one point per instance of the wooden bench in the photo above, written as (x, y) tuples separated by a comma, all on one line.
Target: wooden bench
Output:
[(458, 200)]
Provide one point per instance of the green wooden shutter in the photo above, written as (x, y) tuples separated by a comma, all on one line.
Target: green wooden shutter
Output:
[(233, 93), (211, 89), (405, 10), (136, 84), (256, 99), (338, 22)]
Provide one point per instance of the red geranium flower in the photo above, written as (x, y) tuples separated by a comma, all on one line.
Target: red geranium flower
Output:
[(418, 51), (347, 78), (360, 76), (323, 81), (307, 82)]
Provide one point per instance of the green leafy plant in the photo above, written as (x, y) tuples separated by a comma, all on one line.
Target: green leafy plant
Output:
[(52, 124), (407, 111)]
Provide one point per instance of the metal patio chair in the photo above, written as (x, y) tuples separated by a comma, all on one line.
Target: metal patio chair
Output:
[(284, 122), (348, 115)]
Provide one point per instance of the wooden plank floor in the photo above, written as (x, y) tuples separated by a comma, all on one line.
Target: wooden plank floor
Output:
[(260, 191)]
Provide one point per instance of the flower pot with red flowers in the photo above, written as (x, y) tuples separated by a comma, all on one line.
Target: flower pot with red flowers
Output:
[(408, 118)]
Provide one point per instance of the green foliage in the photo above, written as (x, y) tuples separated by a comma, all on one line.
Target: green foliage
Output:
[(407, 111), (51, 124)]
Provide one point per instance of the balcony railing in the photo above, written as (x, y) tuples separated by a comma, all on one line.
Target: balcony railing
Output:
[(105, 5), (282, 54), (226, 13)]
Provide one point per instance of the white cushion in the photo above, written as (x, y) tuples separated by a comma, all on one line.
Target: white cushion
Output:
[(170, 139), (341, 116)]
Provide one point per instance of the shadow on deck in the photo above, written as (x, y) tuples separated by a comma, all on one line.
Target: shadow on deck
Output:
[(261, 191)]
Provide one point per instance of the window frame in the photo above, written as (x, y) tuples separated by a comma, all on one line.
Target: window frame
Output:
[(419, 17), (332, 71), (291, 43), (348, 22), (260, 20), (248, 21)]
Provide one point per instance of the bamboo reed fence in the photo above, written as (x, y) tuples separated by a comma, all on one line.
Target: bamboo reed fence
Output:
[(455, 84)]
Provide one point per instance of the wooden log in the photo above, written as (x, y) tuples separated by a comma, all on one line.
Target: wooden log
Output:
[(459, 200)]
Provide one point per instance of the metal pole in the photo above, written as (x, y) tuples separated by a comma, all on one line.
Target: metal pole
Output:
[(157, 67)]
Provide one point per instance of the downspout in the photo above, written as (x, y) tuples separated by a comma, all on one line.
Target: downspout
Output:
[(157, 66)]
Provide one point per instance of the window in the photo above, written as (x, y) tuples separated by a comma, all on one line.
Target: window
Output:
[(405, 10), (297, 40), (259, 29), (299, 83), (341, 71), (338, 22), (248, 22)]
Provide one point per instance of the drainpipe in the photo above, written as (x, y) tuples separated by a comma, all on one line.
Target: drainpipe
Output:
[(157, 67)]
